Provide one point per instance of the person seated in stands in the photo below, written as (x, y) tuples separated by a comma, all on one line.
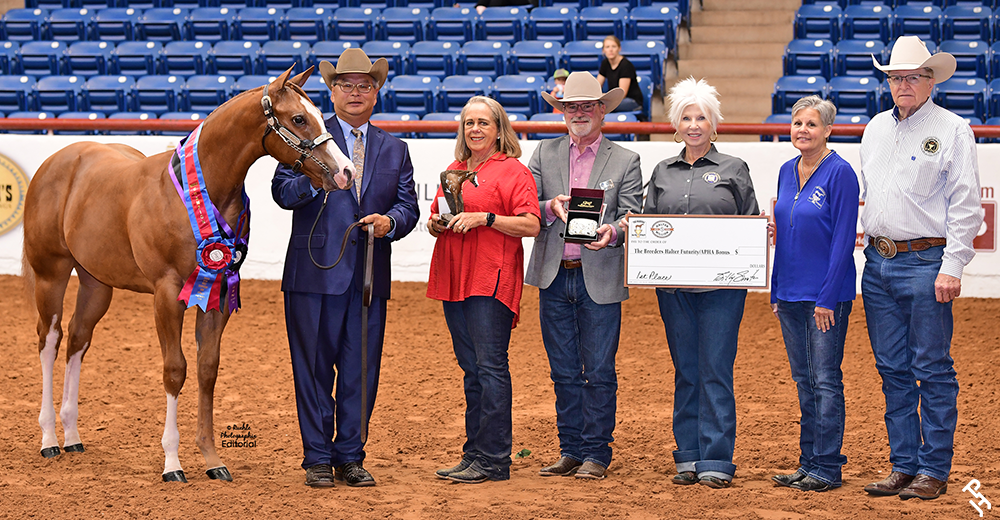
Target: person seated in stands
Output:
[(559, 77), (619, 72)]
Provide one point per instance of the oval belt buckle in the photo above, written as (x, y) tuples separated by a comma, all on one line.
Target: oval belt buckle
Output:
[(885, 247)]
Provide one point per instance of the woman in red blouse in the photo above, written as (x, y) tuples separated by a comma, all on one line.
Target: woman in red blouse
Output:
[(477, 271)]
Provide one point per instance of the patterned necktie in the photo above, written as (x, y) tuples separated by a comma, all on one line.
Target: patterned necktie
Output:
[(359, 159)]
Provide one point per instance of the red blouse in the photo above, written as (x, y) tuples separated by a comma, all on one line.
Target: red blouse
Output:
[(484, 261)]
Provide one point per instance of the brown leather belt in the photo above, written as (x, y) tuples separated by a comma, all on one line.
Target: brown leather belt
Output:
[(572, 264), (888, 248)]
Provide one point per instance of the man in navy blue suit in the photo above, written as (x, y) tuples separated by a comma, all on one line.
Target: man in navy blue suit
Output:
[(323, 307)]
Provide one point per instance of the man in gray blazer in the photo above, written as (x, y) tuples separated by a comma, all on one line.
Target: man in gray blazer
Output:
[(581, 288)]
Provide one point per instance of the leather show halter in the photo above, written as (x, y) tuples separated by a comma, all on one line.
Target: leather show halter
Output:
[(305, 147)]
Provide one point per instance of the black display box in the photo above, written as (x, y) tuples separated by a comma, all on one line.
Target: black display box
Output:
[(586, 204)]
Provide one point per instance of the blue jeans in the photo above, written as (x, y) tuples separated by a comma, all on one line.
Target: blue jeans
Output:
[(480, 334), (911, 337), (815, 359), (702, 333), (581, 340)]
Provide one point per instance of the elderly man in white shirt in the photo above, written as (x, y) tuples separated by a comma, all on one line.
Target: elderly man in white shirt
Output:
[(922, 211)]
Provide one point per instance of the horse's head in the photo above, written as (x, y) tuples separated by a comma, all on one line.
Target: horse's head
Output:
[(307, 145)]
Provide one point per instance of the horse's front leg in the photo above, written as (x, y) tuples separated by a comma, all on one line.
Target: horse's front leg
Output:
[(208, 333), (169, 314)]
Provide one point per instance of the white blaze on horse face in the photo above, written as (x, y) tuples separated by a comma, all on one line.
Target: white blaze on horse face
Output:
[(71, 396), (344, 168), (171, 437), (47, 415)]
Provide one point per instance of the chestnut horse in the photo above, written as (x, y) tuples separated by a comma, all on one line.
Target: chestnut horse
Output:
[(115, 216)]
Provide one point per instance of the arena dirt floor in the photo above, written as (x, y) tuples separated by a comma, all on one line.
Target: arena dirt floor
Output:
[(417, 425)]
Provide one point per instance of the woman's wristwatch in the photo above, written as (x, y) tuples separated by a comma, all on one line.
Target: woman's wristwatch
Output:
[(490, 219)]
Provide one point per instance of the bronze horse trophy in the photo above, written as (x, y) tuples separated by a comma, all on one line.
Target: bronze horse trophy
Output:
[(451, 185), (117, 217)]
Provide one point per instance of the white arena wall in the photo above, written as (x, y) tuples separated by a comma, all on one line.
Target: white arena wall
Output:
[(411, 256)]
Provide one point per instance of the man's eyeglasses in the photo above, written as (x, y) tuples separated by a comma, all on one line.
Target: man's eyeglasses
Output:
[(912, 79), (347, 88), (585, 107)]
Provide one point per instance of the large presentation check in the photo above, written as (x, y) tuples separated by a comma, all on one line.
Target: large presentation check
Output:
[(697, 251)]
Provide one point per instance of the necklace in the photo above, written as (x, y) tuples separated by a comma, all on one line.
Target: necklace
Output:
[(805, 177)]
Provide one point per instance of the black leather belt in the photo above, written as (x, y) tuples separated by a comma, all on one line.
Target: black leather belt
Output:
[(572, 264), (888, 248)]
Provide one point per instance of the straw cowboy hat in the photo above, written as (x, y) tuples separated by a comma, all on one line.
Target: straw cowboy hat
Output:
[(354, 61), (582, 86), (909, 53)]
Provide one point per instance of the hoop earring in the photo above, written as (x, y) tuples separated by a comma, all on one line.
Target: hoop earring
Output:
[(715, 137), (676, 140)]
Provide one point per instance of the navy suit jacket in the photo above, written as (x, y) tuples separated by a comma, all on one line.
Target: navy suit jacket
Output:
[(387, 188)]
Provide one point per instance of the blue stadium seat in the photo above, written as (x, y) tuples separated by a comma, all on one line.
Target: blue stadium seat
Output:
[(537, 57), (599, 22), (318, 92), (45, 4), (547, 116), (184, 115), (855, 95), (483, 58), (259, 24), (868, 22), (94, 4), (88, 58), (583, 55), (440, 116), (161, 24), (553, 23), (141, 5), (782, 119), (142, 116), (618, 117), (70, 25), (210, 24), (25, 25), (277, 56), (995, 61), (108, 93), (250, 82), (377, 4), (232, 4), (504, 24), (567, 3), (854, 57), (205, 93), (8, 58), (235, 58), (396, 116), (810, 57), (848, 119), (307, 24), (184, 58), (818, 22), (353, 24), (403, 24), (646, 86), (456, 24), (17, 93), (972, 57), (919, 20), (434, 58), (92, 115), (963, 96), (158, 94), (58, 93), (396, 53), (41, 58), (518, 93), (184, 4), (967, 23), (455, 91), (30, 115), (647, 56), (329, 51), (789, 89), (115, 25), (411, 94), (657, 23), (136, 58)]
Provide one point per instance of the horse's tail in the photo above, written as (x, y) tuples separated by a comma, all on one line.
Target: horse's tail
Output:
[(28, 277)]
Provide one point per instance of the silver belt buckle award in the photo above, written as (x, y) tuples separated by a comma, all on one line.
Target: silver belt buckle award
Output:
[(885, 246)]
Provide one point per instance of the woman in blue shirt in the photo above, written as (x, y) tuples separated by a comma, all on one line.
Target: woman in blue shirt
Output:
[(813, 287)]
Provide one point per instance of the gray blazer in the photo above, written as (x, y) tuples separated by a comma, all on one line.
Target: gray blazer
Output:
[(604, 270)]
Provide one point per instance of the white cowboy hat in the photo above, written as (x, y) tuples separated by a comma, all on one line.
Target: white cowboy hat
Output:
[(582, 86), (354, 61), (910, 53)]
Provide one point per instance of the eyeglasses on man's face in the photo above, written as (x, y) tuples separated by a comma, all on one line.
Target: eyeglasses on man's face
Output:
[(577, 107), (912, 79), (363, 88)]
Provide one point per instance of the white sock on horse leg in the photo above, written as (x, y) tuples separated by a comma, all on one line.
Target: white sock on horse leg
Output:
[(47, 416), (171, 437), (69, 411)]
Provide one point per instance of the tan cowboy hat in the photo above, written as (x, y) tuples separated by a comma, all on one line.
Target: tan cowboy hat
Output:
[(582, 86), (910, 53), (354, 61)]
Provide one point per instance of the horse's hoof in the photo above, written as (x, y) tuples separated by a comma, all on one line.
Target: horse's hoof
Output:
[(175, 476), (50, 452), (220, 473), (74, 448)]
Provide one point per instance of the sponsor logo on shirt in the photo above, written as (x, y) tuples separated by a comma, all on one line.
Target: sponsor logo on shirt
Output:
[(818, 197), (711, 177), (931, 146)]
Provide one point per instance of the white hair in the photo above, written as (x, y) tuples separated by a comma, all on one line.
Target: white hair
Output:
[(694, 92)]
